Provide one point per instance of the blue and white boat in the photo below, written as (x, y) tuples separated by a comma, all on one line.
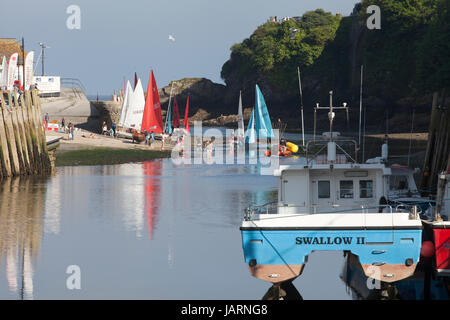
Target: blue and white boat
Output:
[(332, 203)]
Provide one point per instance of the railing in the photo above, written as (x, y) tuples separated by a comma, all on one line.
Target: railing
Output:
[(324, 144), (272, 208), (75, 84)]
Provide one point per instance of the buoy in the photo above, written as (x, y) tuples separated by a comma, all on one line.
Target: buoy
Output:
[(268, 153), (291, 147), (427, 250)]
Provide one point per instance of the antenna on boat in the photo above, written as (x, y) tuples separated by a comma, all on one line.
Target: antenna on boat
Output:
[(301, 105), (331, 114), (360, 106)]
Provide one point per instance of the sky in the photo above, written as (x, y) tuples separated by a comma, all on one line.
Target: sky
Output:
[(117, 38)]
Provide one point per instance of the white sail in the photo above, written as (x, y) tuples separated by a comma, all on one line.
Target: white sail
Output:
[(135, 111), (240, 132), (125, 104), (3, 73)]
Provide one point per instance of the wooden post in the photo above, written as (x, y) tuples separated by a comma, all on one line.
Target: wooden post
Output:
[(7, 117), (17, 137), (22, 133), (4, 153), (32, 127), (45, 159)]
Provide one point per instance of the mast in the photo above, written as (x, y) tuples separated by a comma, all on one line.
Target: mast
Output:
[(168, 108), (301, 106)]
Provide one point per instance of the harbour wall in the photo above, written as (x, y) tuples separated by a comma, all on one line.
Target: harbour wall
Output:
[(23, 146)]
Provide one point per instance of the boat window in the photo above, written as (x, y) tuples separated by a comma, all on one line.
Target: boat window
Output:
[(366, 189), (324, 189), (346, 189), (398, 182)]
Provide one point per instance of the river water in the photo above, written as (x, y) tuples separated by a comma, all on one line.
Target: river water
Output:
[(152, 230)]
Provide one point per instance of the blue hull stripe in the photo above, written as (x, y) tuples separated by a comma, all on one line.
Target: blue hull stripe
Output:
[(293, 246)]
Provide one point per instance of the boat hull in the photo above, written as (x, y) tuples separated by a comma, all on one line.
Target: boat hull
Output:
[(279, 255), (442, 248)]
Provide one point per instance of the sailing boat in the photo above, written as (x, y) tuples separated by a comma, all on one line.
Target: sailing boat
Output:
[(176, 115), (186, 119), (259, 125), (250, 136), (125, 104), (169, 120), (152, 118), (263, 125), (135, 109)]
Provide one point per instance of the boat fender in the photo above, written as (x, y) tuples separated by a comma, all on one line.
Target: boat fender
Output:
[(252, 263)]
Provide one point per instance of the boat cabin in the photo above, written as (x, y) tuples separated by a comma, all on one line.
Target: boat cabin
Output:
[(334, 182), (321, 188)]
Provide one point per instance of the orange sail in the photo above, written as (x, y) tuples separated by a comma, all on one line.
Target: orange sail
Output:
[(186, 120), (152, 118)]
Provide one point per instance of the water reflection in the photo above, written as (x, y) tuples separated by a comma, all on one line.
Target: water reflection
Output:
[(283, 291), (421, 286), (152, 173), (21, 225)]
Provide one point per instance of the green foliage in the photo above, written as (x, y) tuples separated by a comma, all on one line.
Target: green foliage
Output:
[(433, 53), (408, 56), (270, 51)]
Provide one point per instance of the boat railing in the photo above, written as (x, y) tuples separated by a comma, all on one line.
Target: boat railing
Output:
[(322, 145), (272, 208)]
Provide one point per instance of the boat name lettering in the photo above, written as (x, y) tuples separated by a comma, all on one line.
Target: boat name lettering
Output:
[(329, 240)]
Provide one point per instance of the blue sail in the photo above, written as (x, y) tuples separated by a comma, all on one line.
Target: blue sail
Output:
[(262, 118), (250, 133), (169, 121)]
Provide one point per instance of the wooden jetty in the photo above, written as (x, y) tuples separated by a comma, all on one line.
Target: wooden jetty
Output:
[(23, 144)]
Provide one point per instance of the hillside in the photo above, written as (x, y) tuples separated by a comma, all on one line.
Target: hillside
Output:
[(404, 63)]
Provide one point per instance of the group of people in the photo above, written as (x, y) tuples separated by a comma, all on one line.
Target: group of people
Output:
[(70, 129), (111, 132)]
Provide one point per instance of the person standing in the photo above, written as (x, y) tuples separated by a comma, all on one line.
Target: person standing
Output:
[(72, 131), (113, 127), (46, 119), (63, 125)]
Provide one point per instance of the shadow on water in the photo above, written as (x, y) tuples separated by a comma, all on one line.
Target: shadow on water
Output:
[(283, 291), (21, 226)]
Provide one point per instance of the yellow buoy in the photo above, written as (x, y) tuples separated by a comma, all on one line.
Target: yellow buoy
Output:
[(291, 147)]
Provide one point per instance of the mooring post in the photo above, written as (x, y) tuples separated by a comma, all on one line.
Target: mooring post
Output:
[(16, 129), (4, 153), (46, 165), (34, 141), (7, 116), (23, 134)]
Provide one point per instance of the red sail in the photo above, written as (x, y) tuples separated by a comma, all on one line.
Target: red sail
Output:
[(152, 118), (135, 80), (176, 115), (186, 120)]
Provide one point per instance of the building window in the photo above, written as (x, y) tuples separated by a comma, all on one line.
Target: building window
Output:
[(366, 189), (346, 189), (324, 189)]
